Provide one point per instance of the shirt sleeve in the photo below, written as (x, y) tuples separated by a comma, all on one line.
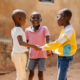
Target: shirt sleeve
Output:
[(46, 32), (19, 32), (66, 36), (26, 34)]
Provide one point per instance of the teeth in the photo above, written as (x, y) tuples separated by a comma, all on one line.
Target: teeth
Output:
[(35, 22)]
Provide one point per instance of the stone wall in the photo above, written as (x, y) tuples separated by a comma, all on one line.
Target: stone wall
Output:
[(6, 64)]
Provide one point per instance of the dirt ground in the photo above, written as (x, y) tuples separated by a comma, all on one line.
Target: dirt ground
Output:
[(49, 74)]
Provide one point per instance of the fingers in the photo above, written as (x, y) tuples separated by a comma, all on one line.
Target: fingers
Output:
[(49, 53), (38, 48)]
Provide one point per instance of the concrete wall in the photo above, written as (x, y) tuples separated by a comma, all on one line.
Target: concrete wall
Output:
[(74, 6), (6, 9), (48, 12), (49, 15)]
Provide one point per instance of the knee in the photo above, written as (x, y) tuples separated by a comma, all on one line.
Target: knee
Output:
[(40, 74)]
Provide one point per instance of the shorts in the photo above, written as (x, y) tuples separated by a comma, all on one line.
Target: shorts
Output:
[(41, 62)]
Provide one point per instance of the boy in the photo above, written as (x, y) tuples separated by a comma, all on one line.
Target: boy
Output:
[(36, 34), (65, 45), (19, 41)]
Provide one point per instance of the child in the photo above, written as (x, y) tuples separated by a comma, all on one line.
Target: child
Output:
[(36, 34), (65, 45), (19, 41)]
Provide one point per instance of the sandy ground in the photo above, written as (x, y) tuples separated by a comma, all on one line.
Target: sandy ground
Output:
[(49, 74)]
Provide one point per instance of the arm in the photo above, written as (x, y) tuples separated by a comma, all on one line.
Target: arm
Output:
[(49, 53), (52, 46), (66, 36), (27, 42), (47, 39), (22, 43), (46, 34)]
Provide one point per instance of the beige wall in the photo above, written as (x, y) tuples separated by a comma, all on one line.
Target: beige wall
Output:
[(6, 9), (48, 12), (49, 15)]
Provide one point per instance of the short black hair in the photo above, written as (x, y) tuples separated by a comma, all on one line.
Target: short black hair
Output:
[(67, 12), (17, 14), (35, 12)]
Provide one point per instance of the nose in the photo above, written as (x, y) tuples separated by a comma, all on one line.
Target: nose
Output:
[(35, 19)]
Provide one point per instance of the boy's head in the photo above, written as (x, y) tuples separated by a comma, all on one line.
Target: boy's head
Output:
[(35, 18), (64, 16), (19, 17)]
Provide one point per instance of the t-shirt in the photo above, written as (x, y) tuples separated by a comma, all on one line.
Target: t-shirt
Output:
[(37, 38), (16, 31)]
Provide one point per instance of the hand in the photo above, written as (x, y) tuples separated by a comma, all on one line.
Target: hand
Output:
[(49, 54), (37, 48)]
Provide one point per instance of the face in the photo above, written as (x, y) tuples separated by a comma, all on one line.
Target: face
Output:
[(23, 20), (60, 19), (35, 19)]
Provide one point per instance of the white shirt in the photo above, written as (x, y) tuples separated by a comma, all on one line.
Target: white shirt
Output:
[(16, 31)]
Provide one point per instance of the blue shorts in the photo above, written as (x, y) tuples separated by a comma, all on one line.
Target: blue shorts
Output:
[(63, 64), (41, 62)]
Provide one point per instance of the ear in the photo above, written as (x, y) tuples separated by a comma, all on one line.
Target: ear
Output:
[(20, 19), (40, 20), (63, 16)]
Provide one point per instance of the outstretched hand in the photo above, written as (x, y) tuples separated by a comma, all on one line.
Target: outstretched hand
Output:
[(37, 48)]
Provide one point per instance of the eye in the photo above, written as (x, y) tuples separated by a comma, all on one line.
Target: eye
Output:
[(33, 17)]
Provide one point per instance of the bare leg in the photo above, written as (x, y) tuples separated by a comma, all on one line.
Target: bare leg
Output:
[(31, 75), (40, 75)]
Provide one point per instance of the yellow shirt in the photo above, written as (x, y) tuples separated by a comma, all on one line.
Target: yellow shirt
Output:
[(65, 45)]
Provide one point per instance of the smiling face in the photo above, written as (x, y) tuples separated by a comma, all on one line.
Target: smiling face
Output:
[(35, 19)]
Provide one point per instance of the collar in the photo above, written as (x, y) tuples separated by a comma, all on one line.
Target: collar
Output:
[(67, 26), (31, 29)]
